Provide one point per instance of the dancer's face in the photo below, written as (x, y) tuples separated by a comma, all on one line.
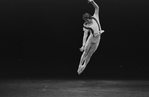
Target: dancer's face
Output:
[(87, 17)]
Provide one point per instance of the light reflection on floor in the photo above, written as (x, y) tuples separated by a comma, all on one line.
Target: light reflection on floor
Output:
[(48, 88)]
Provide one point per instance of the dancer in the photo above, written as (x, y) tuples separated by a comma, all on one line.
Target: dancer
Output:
[(90, 44)]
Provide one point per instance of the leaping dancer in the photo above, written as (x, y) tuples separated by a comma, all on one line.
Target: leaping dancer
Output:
[(90, 44)]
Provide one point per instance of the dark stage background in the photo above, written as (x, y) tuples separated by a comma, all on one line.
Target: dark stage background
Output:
[(41, 39)]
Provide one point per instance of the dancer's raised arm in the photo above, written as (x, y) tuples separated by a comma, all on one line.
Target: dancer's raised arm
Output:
[(93, 3), (95, 6), (96, 14)]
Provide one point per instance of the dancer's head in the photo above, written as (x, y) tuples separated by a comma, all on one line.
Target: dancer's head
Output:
[(87, 16)]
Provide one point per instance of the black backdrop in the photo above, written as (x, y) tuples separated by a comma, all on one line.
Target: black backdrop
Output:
[(41, 39)]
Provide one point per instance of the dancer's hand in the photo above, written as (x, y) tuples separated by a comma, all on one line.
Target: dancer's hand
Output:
[(90, 0), (101, 31), (82, 48)]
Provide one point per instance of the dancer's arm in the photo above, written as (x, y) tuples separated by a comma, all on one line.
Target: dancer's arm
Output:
[(96, 14), (84, 39), (95, 6), (85, 36)]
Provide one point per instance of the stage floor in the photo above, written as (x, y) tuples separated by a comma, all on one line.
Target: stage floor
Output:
[(57, 88)]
